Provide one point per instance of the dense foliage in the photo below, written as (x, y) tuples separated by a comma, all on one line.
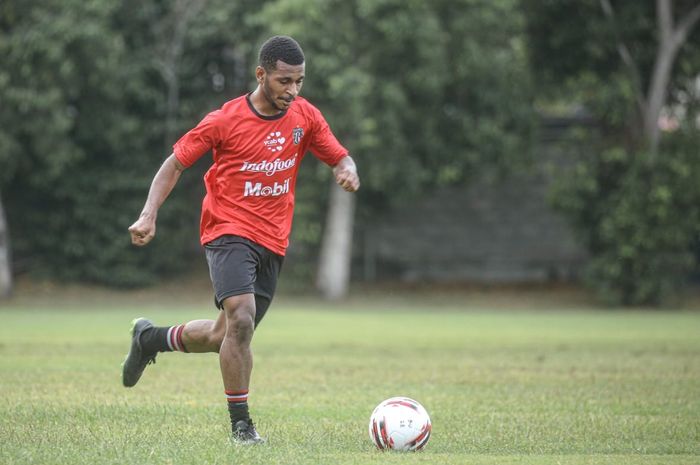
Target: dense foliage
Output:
[(84, 87), (639, 217), (422, 92), (633, 202)]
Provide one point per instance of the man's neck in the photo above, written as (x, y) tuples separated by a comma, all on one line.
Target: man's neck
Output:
[(261, 104)]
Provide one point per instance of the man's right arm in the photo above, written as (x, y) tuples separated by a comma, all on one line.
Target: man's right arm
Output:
[(144, 229)]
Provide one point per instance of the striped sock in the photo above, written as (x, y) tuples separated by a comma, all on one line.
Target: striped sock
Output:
[(237, 405), (174, 338), (163, 339)]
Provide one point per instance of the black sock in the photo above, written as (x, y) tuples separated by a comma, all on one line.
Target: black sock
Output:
[(238, 408), (155, 340), (238, 412)]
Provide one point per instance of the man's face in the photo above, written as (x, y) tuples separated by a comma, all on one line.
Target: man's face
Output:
[(282, 85)]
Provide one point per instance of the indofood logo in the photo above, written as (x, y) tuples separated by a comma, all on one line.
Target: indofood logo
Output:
[(270, 167), (260, 190), (274, 142)]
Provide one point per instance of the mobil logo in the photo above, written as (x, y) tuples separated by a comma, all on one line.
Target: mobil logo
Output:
[(258, 189)]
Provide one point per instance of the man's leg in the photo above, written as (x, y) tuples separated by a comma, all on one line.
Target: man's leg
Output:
[(236, 361), (235, 355), (147, 341), (200, 336)]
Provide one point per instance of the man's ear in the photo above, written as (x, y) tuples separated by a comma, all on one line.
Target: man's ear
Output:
[(260, 74)]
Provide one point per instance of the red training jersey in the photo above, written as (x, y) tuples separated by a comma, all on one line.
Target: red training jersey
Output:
[(250, 186)]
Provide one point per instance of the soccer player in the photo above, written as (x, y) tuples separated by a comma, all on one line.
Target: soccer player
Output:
[(257, 141)]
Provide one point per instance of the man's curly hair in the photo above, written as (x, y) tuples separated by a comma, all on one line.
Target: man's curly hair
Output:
[(282, 48)]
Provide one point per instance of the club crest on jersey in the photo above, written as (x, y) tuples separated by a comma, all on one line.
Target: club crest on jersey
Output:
[(297, 134)]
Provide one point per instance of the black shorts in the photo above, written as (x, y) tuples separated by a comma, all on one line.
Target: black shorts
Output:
[(240, 266)]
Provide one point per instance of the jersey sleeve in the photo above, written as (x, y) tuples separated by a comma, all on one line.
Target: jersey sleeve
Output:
[(199, 140), (324, 144)]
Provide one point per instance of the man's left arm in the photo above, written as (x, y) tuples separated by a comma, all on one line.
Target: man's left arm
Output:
[(345, 173)]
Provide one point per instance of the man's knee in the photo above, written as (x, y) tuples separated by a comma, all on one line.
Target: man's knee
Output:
[(240, 318)]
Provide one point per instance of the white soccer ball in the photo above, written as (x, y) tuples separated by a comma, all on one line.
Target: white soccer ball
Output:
[(401, 424)]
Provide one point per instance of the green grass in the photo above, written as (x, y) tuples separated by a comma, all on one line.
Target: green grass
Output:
[(502, 387)]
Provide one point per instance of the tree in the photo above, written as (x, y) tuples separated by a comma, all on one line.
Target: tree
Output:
[(671, 34), (38, 88), (423, 93), (85, 112), (172, 32), (628, 51), (333, 277), (629, 194), (5, 263)]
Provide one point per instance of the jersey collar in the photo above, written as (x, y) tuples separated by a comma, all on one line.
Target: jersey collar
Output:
[(265, 117)]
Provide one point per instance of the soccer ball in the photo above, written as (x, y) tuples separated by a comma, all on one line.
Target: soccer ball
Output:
[(399, 423)]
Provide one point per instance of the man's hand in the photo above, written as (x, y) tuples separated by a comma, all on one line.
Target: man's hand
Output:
[(345, 173), (143, 230)]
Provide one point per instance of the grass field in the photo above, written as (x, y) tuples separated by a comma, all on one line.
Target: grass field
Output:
[(502, 386)]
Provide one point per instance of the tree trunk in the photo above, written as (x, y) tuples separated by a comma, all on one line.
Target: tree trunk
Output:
[(184, 11), (336, 247), (5, 264), (661, 74), (671, 39), (658, 93)]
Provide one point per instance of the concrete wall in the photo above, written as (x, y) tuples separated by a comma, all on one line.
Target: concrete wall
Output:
[(501, 231)]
